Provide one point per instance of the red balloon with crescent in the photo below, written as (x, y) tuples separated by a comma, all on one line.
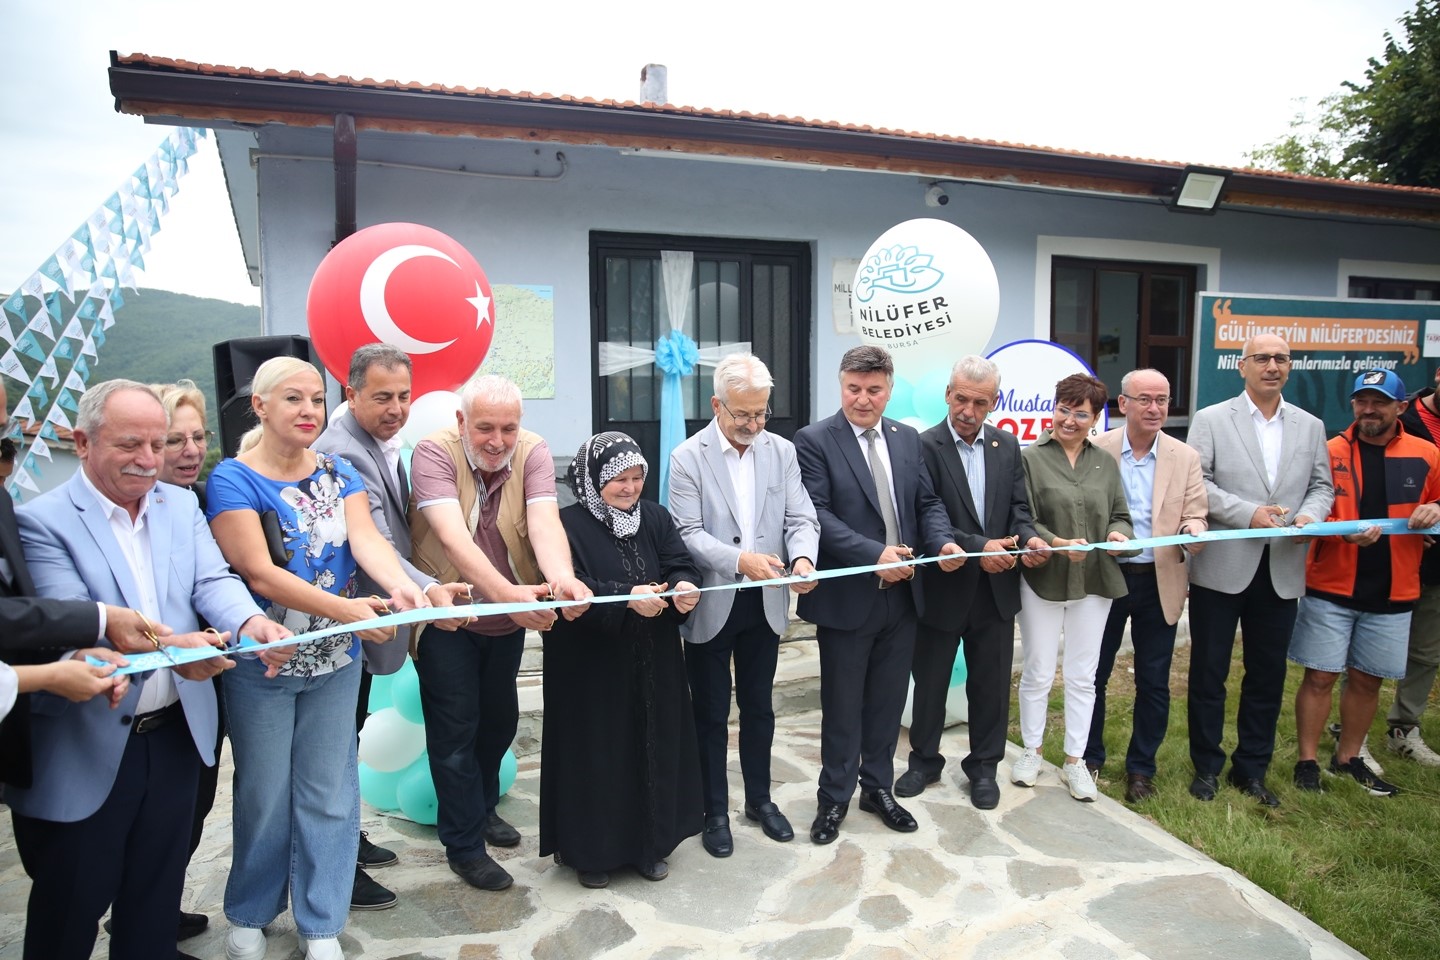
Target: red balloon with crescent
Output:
[(409, 286)]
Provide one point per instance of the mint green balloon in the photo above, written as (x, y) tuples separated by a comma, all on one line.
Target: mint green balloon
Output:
[(902, 400), (961, 670), (379, 693), (509, 767), (405, 693), (377, 788), (929, 401), (416, 793)]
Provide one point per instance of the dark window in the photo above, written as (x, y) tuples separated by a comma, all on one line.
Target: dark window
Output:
[(1122, 316), (1378, 288), (741, 290)]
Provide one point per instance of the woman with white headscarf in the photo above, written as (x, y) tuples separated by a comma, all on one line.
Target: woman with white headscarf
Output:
[(619, 769)]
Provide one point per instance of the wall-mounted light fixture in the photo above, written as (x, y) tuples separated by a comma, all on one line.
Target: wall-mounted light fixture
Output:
[(1199, 190)]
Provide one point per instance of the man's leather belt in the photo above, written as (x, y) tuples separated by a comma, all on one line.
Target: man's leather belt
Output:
[(1138, 567), (155, 719)]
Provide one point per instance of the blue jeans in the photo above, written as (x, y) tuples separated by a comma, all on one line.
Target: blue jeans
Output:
[(296, 807)]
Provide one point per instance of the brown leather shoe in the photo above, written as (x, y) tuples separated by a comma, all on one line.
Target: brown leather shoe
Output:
[(1138, 787)]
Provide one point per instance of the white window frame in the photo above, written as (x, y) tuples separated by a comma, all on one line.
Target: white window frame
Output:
[(1384, 270)]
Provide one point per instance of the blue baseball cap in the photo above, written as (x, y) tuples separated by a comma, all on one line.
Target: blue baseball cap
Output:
[(1381, 381)]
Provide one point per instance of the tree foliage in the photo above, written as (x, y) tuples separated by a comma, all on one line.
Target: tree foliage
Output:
[(1386, 129)]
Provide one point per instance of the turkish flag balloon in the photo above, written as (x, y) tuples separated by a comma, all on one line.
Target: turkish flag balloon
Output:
[(411, 287)]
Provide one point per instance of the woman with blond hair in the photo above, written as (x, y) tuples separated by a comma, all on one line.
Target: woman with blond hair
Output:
[(295, 524)]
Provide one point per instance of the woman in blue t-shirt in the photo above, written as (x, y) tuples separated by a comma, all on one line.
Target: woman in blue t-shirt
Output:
[(294, 524)]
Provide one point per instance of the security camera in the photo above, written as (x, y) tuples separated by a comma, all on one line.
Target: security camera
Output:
[(936, 196)]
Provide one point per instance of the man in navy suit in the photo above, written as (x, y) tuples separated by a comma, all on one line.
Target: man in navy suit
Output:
[(872, 493), (97, 825)]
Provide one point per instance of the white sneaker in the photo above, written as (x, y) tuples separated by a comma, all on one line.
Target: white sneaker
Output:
[(245, 943), (1406, 742), (1026, 770), (326, 949), (1363, 753), (1077, 777)]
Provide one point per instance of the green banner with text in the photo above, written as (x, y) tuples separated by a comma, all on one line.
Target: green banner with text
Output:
[(1331, 340)]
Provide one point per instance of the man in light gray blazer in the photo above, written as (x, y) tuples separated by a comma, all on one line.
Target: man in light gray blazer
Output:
[(1265, 464), (98, 824), (368, 435), (737, 499)]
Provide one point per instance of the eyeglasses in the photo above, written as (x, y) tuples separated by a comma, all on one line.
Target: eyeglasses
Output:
[(176, 441), (1079, 416), (1147, 401), (756, 419), (1263, 359)]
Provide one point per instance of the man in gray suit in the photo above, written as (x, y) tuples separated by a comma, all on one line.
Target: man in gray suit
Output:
[(368, 435), (97, 826), (738, 502), (1265, 464)]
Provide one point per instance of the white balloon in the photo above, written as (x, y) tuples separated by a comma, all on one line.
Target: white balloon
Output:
[(428, 413), (339, 411), (927, 292), (389, 742)]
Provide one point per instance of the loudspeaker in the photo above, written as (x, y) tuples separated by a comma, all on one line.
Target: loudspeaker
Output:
[(235, 364)]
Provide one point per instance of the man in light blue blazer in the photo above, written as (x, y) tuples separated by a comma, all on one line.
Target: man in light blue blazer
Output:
[(97, 826), (1265, 464), (738, 502)]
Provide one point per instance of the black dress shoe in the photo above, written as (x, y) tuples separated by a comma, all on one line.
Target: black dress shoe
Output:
[(912, 783), (771, 820), (191, 925), (984, 793), (498, 833), (828, 817), (894, 816), (1204, 786), (482, 872), (716, 838), (369, 895), (594, 879), (658, 870), (1255, 788), (1138, 787), (373, 856)]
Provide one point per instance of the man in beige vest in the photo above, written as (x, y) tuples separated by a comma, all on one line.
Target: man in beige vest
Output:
[(483, 511)]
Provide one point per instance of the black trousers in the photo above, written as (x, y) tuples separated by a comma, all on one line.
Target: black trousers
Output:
[(989, 653), (127, 854), (1266, 622), (467, 692), (209, 776), (748, 638), (1154, 642), (863, 681)]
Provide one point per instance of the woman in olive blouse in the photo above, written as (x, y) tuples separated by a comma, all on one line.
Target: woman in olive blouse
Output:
[(1077, 497)]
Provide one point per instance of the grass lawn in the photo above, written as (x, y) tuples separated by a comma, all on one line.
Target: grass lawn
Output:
[(1367, 869)]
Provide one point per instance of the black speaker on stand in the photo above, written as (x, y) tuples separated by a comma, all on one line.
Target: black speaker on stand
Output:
[(235, 364)]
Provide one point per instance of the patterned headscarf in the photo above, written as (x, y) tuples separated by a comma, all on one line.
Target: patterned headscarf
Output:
[(599, 460)]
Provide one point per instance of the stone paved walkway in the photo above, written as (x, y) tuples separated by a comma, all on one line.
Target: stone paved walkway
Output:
[(1042, 876)]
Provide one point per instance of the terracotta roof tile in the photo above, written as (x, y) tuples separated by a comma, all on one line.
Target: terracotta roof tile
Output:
[(673, 109)]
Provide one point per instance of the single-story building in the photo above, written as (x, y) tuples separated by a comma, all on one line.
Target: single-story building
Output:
[(574, 199)]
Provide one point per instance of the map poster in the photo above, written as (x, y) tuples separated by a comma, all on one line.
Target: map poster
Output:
[(523, 347)]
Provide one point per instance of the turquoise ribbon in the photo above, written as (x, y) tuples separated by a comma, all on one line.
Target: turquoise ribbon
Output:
[(675, 356), (177, 656)]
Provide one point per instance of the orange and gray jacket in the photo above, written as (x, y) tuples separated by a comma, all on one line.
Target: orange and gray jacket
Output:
[(1412, 477)]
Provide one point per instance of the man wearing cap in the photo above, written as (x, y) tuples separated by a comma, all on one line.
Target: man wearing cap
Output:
[(1420, 418), (1360, 588), (1265, 465)]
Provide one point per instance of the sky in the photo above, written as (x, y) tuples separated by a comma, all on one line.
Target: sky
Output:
[(1198, 84)]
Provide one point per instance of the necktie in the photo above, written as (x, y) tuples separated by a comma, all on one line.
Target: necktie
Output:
[(404, 482), (882, 489)]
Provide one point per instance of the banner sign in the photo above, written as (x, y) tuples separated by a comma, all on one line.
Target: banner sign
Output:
[(1331, 340)]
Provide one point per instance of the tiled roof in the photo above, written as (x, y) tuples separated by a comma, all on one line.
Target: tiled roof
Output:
[(300, 78)]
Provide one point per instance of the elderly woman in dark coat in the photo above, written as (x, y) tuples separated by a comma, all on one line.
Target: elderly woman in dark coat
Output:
[(619, 771)]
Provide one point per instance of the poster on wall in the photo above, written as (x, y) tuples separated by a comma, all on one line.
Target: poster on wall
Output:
[(523, 347), (1331, 339)]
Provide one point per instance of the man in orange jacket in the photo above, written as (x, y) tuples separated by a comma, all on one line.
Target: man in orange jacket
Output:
[(1361, 588)]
